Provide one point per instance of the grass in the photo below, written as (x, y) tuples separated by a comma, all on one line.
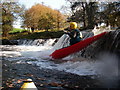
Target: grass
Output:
[(16, 30), (37, 34)]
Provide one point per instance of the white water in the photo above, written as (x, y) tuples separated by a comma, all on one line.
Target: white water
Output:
[(100, 30), (39, 55)]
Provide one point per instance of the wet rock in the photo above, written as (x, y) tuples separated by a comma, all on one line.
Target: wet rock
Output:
[(76, 86), (42, 79), (41, 85), (62, 79), (54, 84), (19, 81), (66, 85), (110, 43)]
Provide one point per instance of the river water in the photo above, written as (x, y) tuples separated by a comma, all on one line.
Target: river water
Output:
[(39, 55)]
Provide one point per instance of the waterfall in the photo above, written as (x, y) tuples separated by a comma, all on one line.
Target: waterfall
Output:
[(62, 42), (109, 43), (98, 30), (49, 42), (37, 42)]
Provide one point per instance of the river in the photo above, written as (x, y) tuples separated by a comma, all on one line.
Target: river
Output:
[(30, 53)]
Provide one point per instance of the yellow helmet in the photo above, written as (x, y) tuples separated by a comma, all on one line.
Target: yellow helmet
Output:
[(73, 25)]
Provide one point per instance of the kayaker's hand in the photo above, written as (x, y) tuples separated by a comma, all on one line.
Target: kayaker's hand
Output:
[(65, 31)]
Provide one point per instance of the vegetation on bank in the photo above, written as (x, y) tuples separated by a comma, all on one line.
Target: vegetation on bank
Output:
[(37, 34), (16, 30), (39, 16)]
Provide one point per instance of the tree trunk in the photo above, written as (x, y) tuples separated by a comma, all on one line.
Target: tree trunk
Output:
[(84, 21), (90, 14), (5, 34)]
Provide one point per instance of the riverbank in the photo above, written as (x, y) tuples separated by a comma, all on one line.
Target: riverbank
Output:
[(15, 73), (34, 35)]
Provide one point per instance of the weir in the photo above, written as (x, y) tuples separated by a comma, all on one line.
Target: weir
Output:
[(108, 43), (36, 42)]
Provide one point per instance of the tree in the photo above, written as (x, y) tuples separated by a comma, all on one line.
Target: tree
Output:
[(92, 13), (42, 17), (111, 14), (10, 12), (84, 12), (59, 19)]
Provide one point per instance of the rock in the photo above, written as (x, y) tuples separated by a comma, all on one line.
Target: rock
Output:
[(66, 85), (108, 43), (42, 79), (54, 84), (76, 86), (19, 81), (41, 85)]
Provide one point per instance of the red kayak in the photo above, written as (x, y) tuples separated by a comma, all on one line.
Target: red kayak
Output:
[(61, 53)]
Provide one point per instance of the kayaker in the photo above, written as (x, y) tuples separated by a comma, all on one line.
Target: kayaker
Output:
[(74, 33)]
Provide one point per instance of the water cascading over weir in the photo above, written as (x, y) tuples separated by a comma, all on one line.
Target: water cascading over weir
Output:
[(110, 43)]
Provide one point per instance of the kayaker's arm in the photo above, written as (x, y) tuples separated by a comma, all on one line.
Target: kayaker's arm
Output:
[(67, 31), (71, 36), (81, 35)]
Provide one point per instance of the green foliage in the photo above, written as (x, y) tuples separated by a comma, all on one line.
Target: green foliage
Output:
[(112, 13), (93, 13), (6, 28), (10, 12), (84, 12), (16, 30)]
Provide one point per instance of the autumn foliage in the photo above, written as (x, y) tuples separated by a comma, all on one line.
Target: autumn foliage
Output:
[(43, 17)]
